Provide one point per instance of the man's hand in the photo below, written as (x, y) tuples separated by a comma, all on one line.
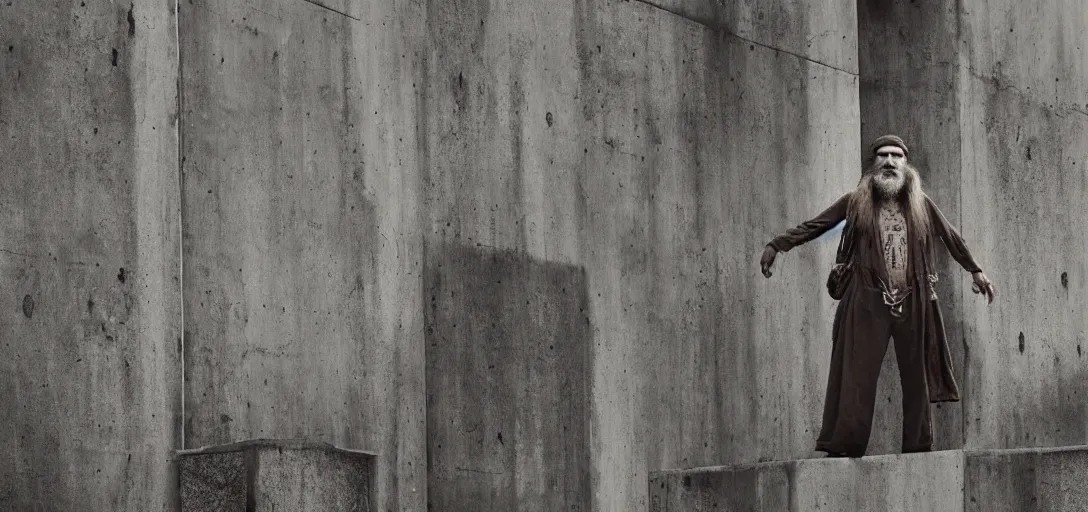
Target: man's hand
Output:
[(767, 260), (984, 286)]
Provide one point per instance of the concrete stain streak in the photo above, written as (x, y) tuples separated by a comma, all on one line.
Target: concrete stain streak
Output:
[(719, 28), (323, 6)]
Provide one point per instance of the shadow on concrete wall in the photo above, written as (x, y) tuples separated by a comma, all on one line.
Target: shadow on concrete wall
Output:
[(508, 346)]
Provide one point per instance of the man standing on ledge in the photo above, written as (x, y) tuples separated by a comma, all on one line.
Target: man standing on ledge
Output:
[(887, 246)]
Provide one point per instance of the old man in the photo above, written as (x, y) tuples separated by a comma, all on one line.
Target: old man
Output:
[(889, 273)]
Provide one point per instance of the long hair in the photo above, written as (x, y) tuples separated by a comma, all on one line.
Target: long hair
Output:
[(911, 198)]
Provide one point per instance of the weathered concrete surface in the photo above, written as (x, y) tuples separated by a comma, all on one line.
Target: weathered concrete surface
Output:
[(916, 482), (1024, 480), (998, 102), (1025, 133), (302, 256), (276, 475), (1027, 480), (824, 32), (90, 310), (660, 156), (508, 347)]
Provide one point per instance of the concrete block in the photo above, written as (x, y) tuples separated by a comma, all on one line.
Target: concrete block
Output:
[(1051, 479), (916, 482), (1021, 480), (276, 475)]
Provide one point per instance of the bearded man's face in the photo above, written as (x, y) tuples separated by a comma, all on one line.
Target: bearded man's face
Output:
[(888, 173)]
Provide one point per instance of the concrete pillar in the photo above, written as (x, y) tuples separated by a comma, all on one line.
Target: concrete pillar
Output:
[(302, 257), (991, 98), (90, 314)]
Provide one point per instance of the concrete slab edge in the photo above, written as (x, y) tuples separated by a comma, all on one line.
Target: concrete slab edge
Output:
[(281, 444)]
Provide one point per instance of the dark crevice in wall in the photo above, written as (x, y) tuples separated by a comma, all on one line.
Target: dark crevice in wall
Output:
[(323, 6), (181, 211), (717, 27)]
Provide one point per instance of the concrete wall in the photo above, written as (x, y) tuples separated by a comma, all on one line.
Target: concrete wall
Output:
[(508, 349), (659, 155), (997, 101), (824, 31), (1025, 139), (90, 314), (302, 260)]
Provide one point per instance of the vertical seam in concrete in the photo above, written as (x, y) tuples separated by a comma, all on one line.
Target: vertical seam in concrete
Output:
[(965, 386), (181, 214)]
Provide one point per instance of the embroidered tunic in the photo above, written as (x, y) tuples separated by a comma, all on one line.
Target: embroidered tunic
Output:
[(893, 236)]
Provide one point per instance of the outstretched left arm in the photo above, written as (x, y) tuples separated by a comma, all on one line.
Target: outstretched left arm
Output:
[(957, 247)]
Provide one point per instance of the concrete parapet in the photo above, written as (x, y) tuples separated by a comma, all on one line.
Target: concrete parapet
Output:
[(956, 480), (1026, 479), (275, 475)]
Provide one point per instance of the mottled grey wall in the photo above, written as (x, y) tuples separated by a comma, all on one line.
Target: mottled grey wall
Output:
[(302, 260), (660, 155), (508, 346), (90, 311)]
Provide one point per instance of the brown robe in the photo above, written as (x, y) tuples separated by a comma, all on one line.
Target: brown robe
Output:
[(862, 319)]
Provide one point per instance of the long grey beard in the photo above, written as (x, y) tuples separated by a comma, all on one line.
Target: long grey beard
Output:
[(888, 188)]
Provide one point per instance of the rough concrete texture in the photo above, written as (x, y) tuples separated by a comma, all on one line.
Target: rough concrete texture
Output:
[(1027, 480), (659, 156), (1023, 480), (90, 310), (213, 481), (1025, 139), (302, 257), (1000, 127), (931, 482), (508, 346), (824, 32), (276, 475)]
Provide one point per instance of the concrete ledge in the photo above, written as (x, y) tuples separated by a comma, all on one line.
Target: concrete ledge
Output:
[(916, 482), (267, 474), (1048, 479), (1027, 479)]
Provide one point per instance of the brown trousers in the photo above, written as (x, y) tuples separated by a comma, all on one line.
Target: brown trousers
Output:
[(863, 324)]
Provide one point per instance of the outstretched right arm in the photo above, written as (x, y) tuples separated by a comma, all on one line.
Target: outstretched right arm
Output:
[(813, 228), (804, 232)]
